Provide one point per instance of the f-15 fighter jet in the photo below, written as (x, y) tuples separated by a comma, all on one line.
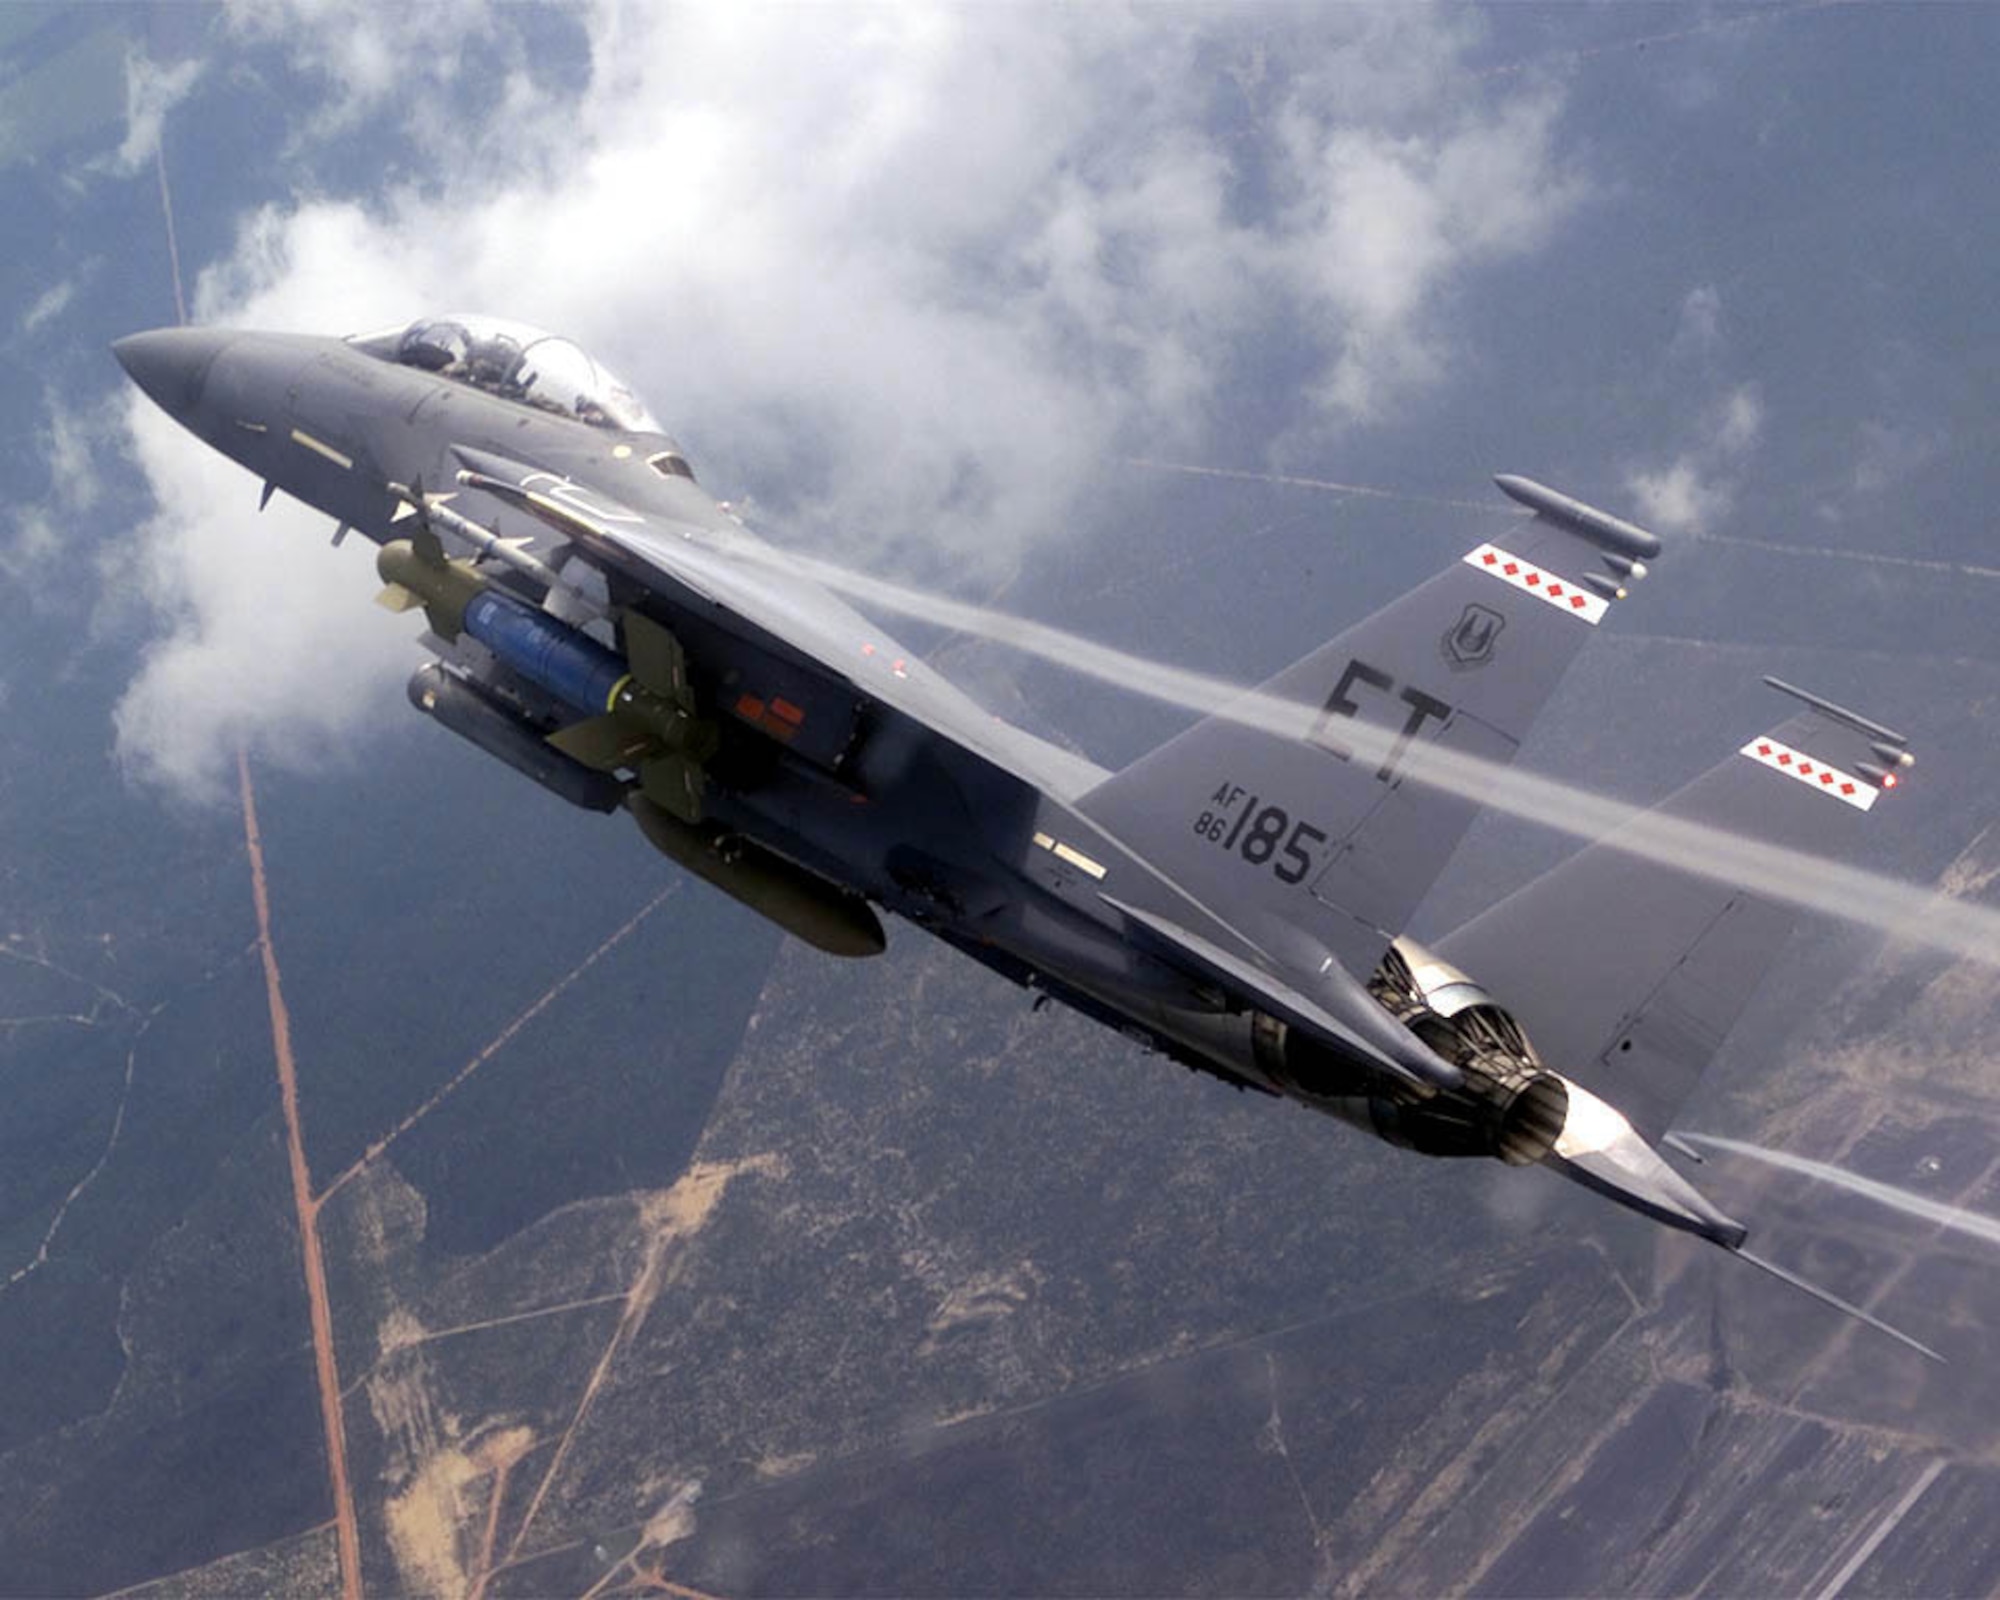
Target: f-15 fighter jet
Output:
[(1236, 899)]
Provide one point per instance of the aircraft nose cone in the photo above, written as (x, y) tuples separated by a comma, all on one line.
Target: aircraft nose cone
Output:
[(171, 364)]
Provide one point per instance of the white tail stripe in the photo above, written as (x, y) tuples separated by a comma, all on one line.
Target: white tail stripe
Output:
[(1843, 786), (1531, 579)]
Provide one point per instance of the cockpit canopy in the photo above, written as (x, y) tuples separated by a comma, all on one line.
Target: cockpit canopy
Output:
[(516, 362)]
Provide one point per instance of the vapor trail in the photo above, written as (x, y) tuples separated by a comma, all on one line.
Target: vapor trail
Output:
[(1792, 877), (1823, 552), (1869, 558), (1976, 1223), (1327, 485)]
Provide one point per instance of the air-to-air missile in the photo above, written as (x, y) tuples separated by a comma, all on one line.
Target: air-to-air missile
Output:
[(639, 715)]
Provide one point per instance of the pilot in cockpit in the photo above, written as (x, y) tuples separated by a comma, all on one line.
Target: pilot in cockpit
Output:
[(516, 362)]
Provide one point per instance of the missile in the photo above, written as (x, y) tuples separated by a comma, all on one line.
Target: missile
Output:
[(1610, 534), (474, 715)]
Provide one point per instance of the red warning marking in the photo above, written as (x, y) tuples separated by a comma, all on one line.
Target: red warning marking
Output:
[(1518, 574), (749, 708), (1815, 774), (785, 711)]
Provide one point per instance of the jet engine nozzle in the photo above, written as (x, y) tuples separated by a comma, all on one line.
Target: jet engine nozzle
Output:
[(1506, 1104), (1515, 1116)]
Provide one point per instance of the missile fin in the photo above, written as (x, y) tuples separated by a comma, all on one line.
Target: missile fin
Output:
[(264, 499), (657, 659), (673, 783), (605, 743)]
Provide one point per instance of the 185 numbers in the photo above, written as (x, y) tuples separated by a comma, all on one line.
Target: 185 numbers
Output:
[(1262, 835)]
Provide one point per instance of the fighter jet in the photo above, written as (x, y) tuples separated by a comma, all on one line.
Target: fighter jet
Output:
[(1235, 900)]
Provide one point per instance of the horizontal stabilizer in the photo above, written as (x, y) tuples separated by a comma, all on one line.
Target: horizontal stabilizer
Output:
[(1599, 1149)]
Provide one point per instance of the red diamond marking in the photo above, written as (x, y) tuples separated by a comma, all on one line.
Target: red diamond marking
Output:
[(1489, 558), (1826, 777), (1785, 760), (1805, 769), (1511, 568), (1578, 601), (1555, 590), (1763, 749), (1847, 788), (1533, 579)]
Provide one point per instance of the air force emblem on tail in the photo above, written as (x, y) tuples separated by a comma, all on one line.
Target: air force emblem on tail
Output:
[(1469, 642)]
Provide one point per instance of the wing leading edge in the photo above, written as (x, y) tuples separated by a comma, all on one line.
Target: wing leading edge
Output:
[(721, 570)]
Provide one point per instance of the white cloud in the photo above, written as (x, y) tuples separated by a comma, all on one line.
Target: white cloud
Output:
[(1679, 498), (454, 77), (151, 91), (252, 650), (48, 305), (911, 274), (1887, 453), (1700, 330), (1738, 420), (71, 445), (1695, 491)]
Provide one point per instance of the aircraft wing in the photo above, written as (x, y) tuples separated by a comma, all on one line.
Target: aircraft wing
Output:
[(1627, 973), (714, 567)]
